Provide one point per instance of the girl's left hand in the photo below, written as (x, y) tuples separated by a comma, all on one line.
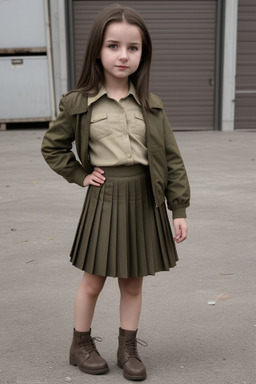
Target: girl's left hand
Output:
[(180, 229)]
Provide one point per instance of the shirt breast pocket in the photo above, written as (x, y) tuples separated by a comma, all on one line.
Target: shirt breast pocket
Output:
[(99, 127), (138, 125)]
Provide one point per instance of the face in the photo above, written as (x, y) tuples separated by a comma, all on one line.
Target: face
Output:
[(121, 50)]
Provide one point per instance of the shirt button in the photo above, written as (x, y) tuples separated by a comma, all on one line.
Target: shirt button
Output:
[(125, 133), (129, 155), (122, 111)]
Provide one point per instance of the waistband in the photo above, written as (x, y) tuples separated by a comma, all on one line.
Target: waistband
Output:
[(125, 171)]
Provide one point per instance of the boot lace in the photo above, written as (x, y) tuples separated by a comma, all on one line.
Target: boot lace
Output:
[(88, 343), (131, 346)]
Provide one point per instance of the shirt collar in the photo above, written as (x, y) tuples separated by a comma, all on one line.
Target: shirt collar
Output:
[(132, 92), (92, 99), (102, 92)]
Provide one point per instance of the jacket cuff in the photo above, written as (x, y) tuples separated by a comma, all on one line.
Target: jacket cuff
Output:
[(179, 213), (79, 177)]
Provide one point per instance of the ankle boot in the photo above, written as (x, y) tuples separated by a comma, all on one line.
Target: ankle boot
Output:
[(127, 356), (83, 353)]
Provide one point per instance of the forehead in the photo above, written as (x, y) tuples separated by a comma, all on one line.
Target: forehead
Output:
[(122, 31)]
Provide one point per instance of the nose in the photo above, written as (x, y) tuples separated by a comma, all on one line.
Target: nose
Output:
[(123, 54)]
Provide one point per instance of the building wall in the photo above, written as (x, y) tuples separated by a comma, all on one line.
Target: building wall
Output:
[(184, 51), (229, 66), (59, 48), (227, 98), (245, 98)]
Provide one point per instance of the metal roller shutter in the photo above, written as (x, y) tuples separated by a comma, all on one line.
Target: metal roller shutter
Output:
[(245, 111), (183, 35)]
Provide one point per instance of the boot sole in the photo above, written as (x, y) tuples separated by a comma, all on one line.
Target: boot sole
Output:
[(128, 377), (89, 371)]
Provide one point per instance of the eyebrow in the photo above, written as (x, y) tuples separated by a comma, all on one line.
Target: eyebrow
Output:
[(116, 41)]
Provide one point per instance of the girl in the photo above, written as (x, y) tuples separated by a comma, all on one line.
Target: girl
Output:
[(130, 161)]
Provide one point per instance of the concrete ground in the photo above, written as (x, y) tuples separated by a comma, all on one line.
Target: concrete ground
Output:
[(189, 340)]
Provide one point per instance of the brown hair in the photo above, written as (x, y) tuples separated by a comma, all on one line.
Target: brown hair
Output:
[(92, 75)]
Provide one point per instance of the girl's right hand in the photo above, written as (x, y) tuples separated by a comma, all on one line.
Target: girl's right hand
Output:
[(95, 178)]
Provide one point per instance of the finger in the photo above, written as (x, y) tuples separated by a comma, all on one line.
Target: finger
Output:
[(94, 183), (98, 175), (181, 238), (98, 178), (177, 235), (95, 180), (182, 235), (97, 169), (177, 231), (177, 238)]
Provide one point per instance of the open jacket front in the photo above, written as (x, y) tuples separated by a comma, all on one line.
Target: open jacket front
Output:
[(168, 175)]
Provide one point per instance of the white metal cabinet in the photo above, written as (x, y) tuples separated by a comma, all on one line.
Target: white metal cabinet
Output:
[(24, 88), (26, 80), (22, 23)]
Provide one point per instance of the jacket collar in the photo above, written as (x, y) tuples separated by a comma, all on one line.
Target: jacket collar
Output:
[(77, 102), (155, 102)]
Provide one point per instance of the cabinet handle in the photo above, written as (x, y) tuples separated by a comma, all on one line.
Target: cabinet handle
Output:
[(17, 62)]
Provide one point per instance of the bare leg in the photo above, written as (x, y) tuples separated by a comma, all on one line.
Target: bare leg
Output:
[(130, 302), (85, 301)]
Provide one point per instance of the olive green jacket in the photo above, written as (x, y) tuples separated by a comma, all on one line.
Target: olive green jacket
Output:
[(167, 171)]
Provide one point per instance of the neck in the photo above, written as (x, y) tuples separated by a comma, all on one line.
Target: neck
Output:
[(117, 88)]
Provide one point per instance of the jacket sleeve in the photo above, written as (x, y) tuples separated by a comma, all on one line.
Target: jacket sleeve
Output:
[(57, 147), (177, 191)]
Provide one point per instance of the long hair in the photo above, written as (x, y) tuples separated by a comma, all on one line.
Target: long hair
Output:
[(92, 74)]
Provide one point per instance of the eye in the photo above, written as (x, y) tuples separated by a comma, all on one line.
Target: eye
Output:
[(112, 46), (133, 48)]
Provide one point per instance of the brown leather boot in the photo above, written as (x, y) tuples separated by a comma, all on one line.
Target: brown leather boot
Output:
[(84, 354), (127, 356)]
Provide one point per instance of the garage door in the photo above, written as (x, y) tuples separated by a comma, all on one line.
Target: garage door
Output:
[(245, 107), (183, 34)]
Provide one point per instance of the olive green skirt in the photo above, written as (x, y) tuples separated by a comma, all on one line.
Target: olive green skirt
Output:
[(120, 232)]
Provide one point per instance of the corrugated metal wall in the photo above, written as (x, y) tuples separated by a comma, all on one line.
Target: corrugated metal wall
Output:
[(184, 39), (245, 107)]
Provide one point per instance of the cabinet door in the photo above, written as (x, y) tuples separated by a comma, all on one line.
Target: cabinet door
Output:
[(22, 24), (25, 90)]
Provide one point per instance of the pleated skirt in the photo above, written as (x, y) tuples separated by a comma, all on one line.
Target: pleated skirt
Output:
[(120, 232)]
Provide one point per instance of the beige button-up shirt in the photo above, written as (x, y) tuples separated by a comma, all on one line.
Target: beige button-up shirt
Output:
[(117, 130)]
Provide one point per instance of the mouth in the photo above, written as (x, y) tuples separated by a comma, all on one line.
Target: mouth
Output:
[(121, 67)]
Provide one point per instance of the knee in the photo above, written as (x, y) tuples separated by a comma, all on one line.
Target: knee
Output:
[(130, 287), (94, 289), (93, 286)]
